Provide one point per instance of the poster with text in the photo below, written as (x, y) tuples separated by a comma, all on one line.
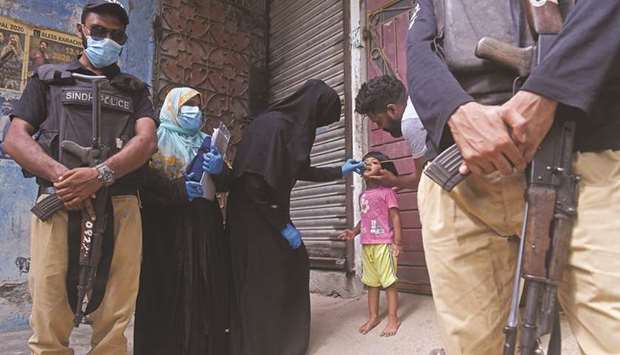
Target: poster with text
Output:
[(52, 47), (7, 100), (13, 52)]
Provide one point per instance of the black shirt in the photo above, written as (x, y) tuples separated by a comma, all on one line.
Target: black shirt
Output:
[(32, 107), (581, 72)]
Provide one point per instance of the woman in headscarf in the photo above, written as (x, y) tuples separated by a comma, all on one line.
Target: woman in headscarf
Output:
[(271, 313), (182, 305)]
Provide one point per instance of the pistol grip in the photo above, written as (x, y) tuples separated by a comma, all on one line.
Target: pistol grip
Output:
[(515, 58), (85, 155)]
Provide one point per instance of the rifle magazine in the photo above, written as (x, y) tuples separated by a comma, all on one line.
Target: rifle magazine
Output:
[(444, 170)]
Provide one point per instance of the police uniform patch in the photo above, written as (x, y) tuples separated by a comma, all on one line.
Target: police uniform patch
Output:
[(83, 96)]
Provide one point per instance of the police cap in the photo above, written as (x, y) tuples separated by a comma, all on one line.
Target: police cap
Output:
[(113, 5)]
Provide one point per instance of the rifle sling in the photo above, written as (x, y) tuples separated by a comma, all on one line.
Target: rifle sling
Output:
[(103, 269)]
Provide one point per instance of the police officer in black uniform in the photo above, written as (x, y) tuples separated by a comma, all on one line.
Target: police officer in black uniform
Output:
[(57, 106)]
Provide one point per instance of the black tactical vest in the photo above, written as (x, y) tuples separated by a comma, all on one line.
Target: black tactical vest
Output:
[(461, 24), (69, 112)]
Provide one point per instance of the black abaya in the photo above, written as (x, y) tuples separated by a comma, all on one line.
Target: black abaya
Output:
[(271, 309), (183, 302)]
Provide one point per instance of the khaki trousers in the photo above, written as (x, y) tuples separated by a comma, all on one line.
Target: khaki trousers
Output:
[(52, 318), (471, 264)]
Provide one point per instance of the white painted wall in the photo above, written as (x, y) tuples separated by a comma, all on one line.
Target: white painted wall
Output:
[(360, 124)]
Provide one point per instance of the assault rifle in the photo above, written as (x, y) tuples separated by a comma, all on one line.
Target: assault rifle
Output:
[(551, 205), (94, 219)]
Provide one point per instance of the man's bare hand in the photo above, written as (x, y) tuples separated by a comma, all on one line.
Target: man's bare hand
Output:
[(530, 117), (77, 185), (485, 140), (385, 178)]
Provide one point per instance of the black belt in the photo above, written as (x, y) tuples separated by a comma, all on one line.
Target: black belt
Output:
[(120, 190)]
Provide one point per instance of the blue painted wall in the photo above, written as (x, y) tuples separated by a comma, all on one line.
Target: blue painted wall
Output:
[(16, 193)]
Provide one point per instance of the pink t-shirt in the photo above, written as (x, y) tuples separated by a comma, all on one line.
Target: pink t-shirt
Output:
[(376, 227)]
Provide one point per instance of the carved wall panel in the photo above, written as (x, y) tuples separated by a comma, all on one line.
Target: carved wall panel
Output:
[(213, 46)]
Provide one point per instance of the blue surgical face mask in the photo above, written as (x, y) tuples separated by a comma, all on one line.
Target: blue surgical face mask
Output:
[(102, 53), (190, 119)]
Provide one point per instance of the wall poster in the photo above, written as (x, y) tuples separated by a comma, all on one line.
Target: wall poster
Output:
[(23, 48), (51, 47), (13, 52)]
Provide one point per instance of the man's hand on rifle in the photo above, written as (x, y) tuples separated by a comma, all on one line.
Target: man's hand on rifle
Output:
[(530, 117), (485, 140), (77, 185)]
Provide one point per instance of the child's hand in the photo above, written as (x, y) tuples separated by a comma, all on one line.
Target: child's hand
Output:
[(348, 234), (396, 250)]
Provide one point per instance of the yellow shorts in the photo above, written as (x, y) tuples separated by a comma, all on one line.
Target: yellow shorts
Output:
[(379, 265)]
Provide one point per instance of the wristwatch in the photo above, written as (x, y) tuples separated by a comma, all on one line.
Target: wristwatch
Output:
[(106, 175)]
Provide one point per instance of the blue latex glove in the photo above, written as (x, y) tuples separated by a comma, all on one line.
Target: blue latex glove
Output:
[(193, 188), (352, 165), (213, 162), (292, 236)]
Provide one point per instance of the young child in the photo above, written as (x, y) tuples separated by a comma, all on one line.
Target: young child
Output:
[(381, 236)]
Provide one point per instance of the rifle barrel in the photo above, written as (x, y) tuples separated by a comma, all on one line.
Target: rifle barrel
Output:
[(510, 330)]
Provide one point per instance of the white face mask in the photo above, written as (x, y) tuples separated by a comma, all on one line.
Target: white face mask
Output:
[(190, 119), (102, 53)]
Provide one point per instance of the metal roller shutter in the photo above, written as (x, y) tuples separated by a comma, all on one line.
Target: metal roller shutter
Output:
[(307, 41)]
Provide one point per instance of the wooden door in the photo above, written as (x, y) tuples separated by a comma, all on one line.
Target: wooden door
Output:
[(386, 33)]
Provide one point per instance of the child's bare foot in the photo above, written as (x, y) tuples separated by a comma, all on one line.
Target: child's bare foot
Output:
[(368, 326), (391, 328)]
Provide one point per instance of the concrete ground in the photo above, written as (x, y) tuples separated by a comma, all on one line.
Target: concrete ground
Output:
[(334, 330), (335, 322)]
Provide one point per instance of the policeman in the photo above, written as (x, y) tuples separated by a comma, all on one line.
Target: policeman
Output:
[(58, 106), (470, 263)]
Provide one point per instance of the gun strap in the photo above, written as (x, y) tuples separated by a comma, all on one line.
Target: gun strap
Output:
[(103, 269)]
